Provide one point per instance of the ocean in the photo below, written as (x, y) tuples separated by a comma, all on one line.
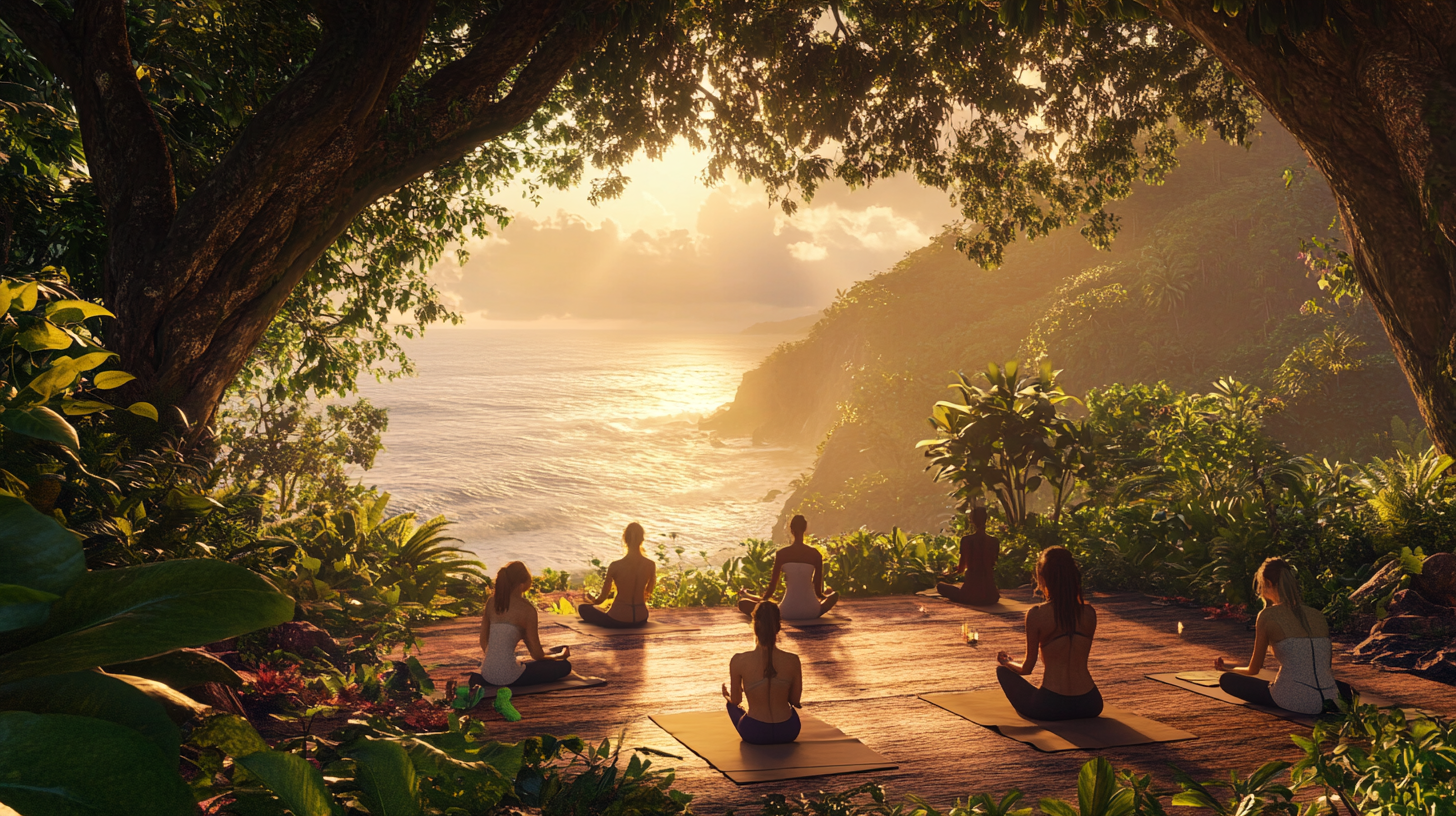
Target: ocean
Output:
[(542, 445)]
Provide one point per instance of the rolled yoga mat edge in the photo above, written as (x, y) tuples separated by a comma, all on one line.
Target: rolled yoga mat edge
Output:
[(821, 750), (1117, 727), (830, 619)]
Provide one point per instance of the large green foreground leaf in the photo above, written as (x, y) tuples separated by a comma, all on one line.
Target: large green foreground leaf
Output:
[(114, 616), (292, 779), (63, 765), (181, 669), (35, 551), (386, 778), (93, 694)]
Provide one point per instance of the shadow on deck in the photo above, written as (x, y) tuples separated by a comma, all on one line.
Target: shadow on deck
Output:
[(863, 677)]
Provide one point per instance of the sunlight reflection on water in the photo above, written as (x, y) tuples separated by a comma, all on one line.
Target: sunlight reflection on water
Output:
[(542, 445)]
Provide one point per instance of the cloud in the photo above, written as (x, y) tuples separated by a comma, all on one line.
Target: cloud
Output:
[(742, 261)]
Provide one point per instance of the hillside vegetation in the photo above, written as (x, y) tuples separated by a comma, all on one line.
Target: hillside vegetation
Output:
[(1205, 281)]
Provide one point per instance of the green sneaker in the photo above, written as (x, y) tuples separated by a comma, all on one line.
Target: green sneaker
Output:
[(503, 705)]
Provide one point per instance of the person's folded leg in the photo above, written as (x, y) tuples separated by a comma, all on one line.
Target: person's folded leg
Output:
[(1017, 690), (1250, 689), (543, 671), (596, 617), (950, 591), (756, 732)]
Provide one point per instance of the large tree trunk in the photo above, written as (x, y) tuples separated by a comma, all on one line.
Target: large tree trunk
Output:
[(195, 285), (1376, 112)]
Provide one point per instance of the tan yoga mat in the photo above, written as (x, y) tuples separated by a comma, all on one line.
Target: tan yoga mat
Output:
[(1197, 683), (1005, 606), (821, 750), (570, 681), (652, 627), (1116, 726), (830, 619)]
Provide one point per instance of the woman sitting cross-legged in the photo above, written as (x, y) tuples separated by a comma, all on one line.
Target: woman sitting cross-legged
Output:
[(771, 679), (1300, 636), (632, 578), (978, 561), (803, 569), (1062, 630), (509, 619)]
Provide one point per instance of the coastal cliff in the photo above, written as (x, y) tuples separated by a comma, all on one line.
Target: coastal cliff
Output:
[(1222, 233)]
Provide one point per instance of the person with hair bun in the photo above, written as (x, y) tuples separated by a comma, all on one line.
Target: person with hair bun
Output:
[(510, 619), (631, 578), (1300, 636), (771, 679), (1062, 629), (803, 569), (978, 561)]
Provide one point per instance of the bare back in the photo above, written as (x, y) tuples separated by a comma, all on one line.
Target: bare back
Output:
[(1064, 654), (633, 577), (768, 699)]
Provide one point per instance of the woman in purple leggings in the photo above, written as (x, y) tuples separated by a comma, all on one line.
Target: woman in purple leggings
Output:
[(771, 679)]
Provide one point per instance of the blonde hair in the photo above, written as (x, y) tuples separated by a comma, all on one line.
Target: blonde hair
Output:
[(1278, 575)]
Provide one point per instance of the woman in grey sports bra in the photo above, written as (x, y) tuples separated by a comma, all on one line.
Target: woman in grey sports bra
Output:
[(631, 579), (1061, 629), (1300, 636), (510, 619)]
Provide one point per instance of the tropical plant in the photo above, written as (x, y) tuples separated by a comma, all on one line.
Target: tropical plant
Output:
[(997, 443), (73, 737), (1167, 275)]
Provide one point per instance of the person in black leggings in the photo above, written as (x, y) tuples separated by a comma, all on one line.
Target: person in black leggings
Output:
[(631, 578), (1063, 629), (771, 680)]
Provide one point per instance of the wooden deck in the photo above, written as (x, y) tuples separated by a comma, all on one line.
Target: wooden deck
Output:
[(864, 677)]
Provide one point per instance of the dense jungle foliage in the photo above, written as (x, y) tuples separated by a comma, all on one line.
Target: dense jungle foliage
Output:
[(1228, 270)]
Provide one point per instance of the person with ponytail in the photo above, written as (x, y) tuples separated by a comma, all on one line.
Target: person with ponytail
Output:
[(508, 620), (1062, 629), (1300, 636), (631, 579), (771, 679), (802, 566)]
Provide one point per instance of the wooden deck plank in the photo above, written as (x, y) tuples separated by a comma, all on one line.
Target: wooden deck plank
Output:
[(864, 678)]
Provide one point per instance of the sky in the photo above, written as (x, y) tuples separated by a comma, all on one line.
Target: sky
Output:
[(673, 253)]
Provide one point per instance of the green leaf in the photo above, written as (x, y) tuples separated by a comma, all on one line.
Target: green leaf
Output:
[(22, 607), (26, 296), (83, 407), (181, 669), (93, 694), (36, 551), (74, 311), (298, 783), (143, 409), (55, 379), (481, 785), (86, 362), (111, 379), (386, 777), (422, 677), (64, 765), (43, 336), (41, 422), (228, 733), (119, 615), (1056, 807)]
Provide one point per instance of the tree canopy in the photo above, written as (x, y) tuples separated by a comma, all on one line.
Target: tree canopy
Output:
[(275, 178)]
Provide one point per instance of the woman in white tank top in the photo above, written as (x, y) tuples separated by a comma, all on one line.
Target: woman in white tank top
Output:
[(1300, 636), (802, 568), (510, 619)]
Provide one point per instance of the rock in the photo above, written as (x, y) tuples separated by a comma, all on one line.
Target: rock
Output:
[(1437, 580), (1402, 625), (1375, 588), (1438, 665), (1411, 602), (1397, 660), (303, 638)]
